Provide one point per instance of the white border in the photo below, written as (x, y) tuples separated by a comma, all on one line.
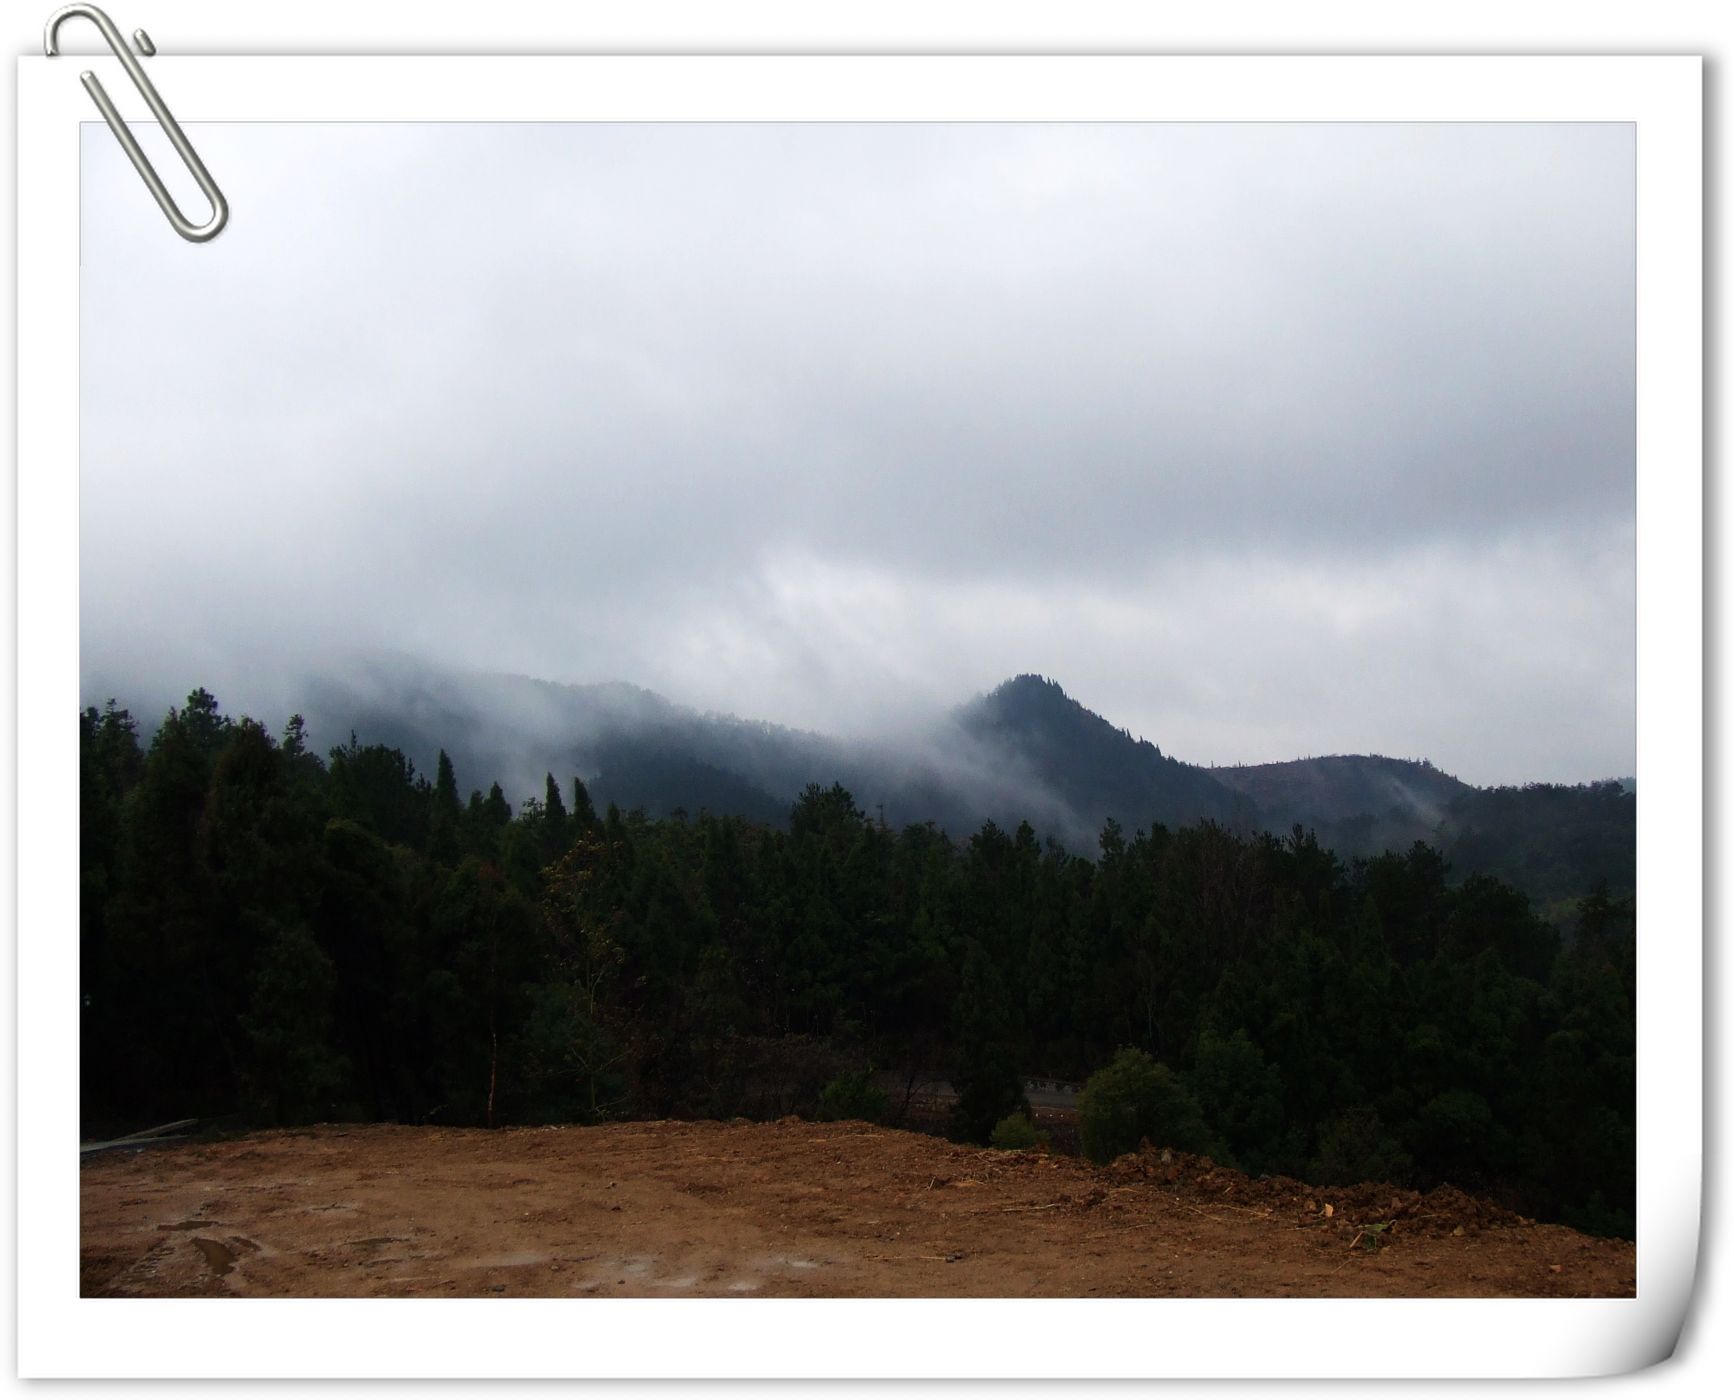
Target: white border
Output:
[(61, 1335)]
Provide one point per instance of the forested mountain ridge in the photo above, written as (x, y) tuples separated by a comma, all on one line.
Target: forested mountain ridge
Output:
[(1554, 841), (1025, 750), (1340, 787), (1097, 770)]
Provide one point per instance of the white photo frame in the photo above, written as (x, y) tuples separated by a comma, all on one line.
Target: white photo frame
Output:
[(1661, 96)]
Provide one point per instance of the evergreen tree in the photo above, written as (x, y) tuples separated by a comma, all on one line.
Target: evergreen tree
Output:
[(583, 810), (985, 1076), (445, 824), (555, 836)]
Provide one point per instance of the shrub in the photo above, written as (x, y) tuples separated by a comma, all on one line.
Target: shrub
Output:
[(1354, 1147), (1134, 1098), (852, 1094), (1015, 1132), (1239, 1096), (1456, 1138)]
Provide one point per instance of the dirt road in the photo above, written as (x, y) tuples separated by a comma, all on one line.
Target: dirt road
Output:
[(776, 1209)]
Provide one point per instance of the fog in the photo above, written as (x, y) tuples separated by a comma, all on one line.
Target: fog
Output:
[(1265, 440)]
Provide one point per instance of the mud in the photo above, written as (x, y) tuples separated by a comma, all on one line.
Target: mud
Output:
[(743, 1210)]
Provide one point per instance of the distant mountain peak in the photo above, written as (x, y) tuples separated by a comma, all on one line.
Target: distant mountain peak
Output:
[(1096, 768), (1029, 682), (1031, 702)]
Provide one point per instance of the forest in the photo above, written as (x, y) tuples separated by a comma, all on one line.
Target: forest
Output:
[(272, 937)]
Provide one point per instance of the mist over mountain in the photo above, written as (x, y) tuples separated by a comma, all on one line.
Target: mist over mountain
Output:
[(1096, 770), (1024, 751), (1356, 802)]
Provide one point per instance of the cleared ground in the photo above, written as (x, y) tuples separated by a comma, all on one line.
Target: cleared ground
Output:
[(777, 1209)]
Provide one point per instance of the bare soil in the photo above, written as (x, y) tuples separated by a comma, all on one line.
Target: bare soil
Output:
[(779, 1209)]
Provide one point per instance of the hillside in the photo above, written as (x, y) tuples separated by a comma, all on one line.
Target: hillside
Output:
[(631, 746), (1332, 790), (1024, 751), (1553, 841), (1358, 804), (784, 1209), (1098, 771)]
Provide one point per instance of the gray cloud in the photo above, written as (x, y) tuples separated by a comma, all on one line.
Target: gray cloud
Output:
[(1263, 439)]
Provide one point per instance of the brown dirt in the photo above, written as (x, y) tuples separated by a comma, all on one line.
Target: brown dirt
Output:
[(778, 1209)]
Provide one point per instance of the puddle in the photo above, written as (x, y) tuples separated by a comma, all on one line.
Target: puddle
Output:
[(744, 1285), (637, 1270), (521, 1259), (190, 1225), (218, 1256)]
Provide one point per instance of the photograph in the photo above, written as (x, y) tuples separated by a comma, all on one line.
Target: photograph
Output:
[(860, 709)]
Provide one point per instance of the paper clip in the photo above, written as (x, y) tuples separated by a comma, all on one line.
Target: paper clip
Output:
[(193, 233)]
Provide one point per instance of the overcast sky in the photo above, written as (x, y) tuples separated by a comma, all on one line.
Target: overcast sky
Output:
[(1263, 440)]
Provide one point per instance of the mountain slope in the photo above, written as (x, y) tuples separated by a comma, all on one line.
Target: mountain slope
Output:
[(1342, 786), (1025, 751), (1358, 804), (1098, 771), (631, 746)]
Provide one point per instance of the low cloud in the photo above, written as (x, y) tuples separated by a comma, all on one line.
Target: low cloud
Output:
[(1263, 440)]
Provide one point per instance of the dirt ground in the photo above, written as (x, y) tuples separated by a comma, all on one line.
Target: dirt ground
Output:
[(777, 1209)]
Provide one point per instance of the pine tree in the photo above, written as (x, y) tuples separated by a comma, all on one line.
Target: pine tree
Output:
[(583, 810), (555, 837), (445, 822)]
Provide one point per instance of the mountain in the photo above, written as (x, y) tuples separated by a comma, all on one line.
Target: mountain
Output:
[(1357, 803), (631, 746), (1024, 751), (1554, 841), (1096, 770), (1344, 786)]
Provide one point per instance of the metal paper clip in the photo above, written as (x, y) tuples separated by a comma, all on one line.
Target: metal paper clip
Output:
[(193, 233)]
